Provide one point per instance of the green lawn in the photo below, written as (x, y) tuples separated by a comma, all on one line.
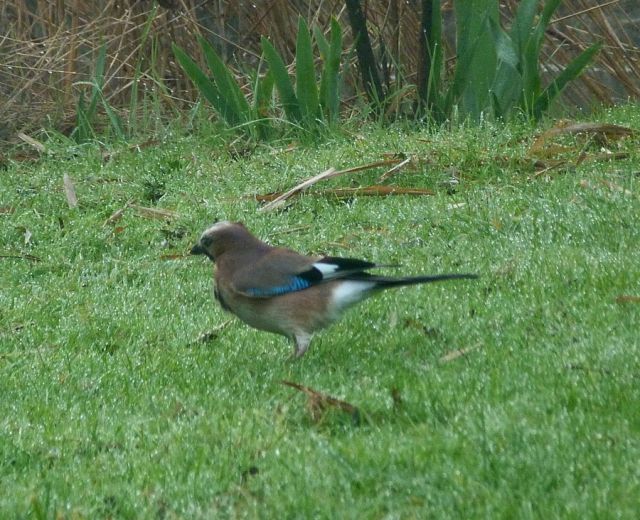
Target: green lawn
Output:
[(111, 406)]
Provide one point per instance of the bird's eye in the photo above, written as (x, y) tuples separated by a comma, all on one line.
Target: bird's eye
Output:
[(206, 241)]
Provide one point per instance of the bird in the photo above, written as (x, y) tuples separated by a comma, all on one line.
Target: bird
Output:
[(278, 290)]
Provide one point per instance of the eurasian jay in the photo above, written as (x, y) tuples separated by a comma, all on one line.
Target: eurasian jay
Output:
[(278, 290)]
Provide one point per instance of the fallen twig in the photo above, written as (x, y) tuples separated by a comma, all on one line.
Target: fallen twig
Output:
[(366, 191), (319, 402), (327, 174)]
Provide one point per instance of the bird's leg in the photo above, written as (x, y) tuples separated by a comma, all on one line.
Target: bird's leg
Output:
[(301, 341)]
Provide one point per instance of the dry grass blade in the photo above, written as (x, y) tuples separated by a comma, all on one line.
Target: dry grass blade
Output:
[(547, 167), (318, 402), (157, 213), (627, 298), (552, 150), (394, 170), (616, 187), (327, 174), (550, 155), (375, 191), (22, 257), (584, 11), (281, 199), (455, 354), (208, 336), (70, 191), (32, 142), (115, 216), (603, 132), (607, 156), (365, 191)]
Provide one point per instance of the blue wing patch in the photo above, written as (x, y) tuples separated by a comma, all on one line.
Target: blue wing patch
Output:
[(296, 284)]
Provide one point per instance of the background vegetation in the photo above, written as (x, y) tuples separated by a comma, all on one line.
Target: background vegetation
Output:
[(50, 51)]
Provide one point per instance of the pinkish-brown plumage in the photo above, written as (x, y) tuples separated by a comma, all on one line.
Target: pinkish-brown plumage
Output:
[(281, 291)]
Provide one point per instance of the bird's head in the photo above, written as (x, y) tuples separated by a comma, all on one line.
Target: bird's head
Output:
[(219, 238)]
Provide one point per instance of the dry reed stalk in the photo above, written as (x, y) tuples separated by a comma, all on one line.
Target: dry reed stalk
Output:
[(73, 51)]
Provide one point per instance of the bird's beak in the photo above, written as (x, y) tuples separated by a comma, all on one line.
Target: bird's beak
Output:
[(198, 250)]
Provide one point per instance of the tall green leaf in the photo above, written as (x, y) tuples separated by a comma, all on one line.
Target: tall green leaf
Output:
[(570, 72), (532, 83), (430, 88), (330, 80), (262, 96), (238, 108), (321, 42), (522, 24), (476, 65), (133, 104), (282, 82), (206, 87), (98, 80), (114, 119), (507, 83), (83, 130), (434, 96), (262, 101), (306, 88), (543, 21), (85, 114)]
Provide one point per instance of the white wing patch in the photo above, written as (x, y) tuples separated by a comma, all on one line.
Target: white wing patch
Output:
[(326, 269)]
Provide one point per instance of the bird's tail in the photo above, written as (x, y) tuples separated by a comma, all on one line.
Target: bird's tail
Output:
[(384, 282)]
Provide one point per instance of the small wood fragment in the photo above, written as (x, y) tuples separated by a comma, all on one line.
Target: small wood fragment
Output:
[(70, 191), (319, 402)]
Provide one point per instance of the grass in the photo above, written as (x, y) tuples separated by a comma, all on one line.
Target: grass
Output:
[(111, 407)]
